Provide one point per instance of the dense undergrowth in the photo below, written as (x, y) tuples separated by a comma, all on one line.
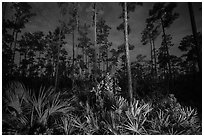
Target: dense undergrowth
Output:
[(99, 111)]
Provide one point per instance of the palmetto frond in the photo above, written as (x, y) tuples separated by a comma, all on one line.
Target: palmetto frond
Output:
[(67, 124), (57, 106), (136, 117), (14, 97)]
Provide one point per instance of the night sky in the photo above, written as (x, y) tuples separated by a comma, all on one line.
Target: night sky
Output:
[(47, 19)]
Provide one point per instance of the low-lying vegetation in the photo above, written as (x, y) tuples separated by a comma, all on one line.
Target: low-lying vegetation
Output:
[(100, 111)]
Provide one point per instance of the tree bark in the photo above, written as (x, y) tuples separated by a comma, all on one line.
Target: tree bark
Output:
[(14, 48), (107, 59), (151, 47), (128, 56), (155, 58), (73, 49), (95, 42), (57, 68)]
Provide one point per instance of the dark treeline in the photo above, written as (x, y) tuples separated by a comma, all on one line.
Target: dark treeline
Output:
[(39, 59)]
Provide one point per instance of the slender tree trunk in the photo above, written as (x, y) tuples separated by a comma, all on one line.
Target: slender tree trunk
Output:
[(83, 54), (128, 56), (155, 58), (14, 48), (151, 47), (57, 68), (13, 33), (194, 30), (77, 28), (14, 36), (99, 61), (168, 58), (88, 63), (86, 60), (73, 49), (107, 60), (95, 42)]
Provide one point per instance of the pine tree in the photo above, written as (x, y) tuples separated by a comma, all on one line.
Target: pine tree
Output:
[(127, 55), (194, 30), (165, 15)]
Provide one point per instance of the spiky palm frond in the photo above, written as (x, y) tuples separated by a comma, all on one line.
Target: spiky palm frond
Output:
[(79, 125), (188, 119), (175, 121), (48, 103), (15, 115), (14, 98), (67, 124), (137, 117), (113, 122), (40, 103), (120, 105), (57, 108)]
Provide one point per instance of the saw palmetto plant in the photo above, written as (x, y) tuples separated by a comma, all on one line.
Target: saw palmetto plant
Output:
[(29, 109), (50, 112)]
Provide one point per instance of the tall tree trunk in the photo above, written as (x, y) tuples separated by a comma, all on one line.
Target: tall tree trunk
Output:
[(128, 56), (107, 60), (168, 58), (77, 31), (57, 68), (87, 63), (83, 54), (95, 42), (13, 34), (194, 30), (14, 48), (99, 62), (86, 60), (151, 47), (155, 58), (73, 49)]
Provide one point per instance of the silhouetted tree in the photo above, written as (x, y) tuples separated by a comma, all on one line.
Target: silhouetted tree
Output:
[(84, 44), (149, 34), (126, 8), (195, 37), (164, 13), (7, 38), (188, 45), (163, 56), (102, 39), (21, 17), (73, 25), (127, 53)]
